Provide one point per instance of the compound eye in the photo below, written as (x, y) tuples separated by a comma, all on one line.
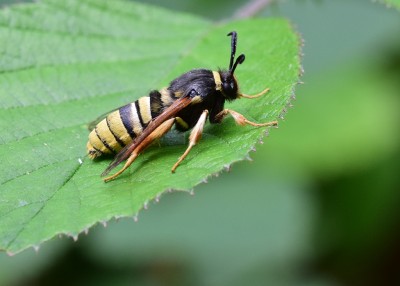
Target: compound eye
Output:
[(193, 93), (232, 85), (226, 86)]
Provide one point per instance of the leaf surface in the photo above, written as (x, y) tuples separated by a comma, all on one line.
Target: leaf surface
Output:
[(65, 63)]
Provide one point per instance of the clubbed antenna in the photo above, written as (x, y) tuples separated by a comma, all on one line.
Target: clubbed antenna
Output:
[(240, 59), (233, 48)]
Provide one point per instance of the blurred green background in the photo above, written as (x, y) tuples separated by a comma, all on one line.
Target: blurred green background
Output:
[(318, 205)]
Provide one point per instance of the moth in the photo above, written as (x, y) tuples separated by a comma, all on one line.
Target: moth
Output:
[(186, 103)]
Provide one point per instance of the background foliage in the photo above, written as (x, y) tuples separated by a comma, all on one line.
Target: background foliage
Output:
[(317, 206)]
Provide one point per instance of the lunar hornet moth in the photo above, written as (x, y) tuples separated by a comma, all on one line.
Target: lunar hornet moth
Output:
[(186, 103)]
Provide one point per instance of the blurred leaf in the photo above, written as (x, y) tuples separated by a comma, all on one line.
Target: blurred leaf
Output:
[(222, 9), (332, 43), (230, 228), (346, 120), (392, 3), (26, 265), (61, 67)]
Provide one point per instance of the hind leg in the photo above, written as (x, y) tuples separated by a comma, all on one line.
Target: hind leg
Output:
[(241, 120), (194, 137)]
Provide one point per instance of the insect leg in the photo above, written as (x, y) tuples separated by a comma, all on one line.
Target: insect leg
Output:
[(194, 137), (241, 120), (157, 133), (179, 121), (254, 96)]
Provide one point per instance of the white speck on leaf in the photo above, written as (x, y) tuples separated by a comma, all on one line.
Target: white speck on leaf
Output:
[(22, 203)]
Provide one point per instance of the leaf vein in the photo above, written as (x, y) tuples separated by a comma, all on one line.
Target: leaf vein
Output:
[(44, 205)]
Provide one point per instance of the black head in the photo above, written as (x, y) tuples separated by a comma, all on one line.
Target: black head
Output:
[(229, 84)]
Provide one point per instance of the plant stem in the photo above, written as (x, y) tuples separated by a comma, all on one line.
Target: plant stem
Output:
[(251, 8)]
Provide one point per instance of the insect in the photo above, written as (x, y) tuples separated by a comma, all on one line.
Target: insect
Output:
[(185, 103)]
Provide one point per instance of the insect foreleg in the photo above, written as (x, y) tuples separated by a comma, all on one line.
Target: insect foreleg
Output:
[(194, 137), (254, 96), (182, 123), (241, 120), (157, 133)]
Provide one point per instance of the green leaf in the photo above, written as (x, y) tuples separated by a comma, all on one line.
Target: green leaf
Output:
[(65, 63)]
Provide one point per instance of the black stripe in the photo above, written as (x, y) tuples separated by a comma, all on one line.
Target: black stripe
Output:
[(97, 150), (155, 103), (126, 117), (172, 95), (120, 142), (139, 114), (104, 142)]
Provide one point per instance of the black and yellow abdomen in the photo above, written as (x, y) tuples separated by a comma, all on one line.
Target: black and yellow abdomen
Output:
[(186, 104), (121, 126)]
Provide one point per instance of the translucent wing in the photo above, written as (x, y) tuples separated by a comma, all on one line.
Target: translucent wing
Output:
[(168, 113), (93, 124)]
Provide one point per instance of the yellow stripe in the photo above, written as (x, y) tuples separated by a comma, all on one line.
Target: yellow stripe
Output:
[(178, 94), (217, 80), (196, 99), (118, 128), (96, 142), (182, 122), (92, 153), (137, 127), (104, 132), (166, 97), (144, 105)]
